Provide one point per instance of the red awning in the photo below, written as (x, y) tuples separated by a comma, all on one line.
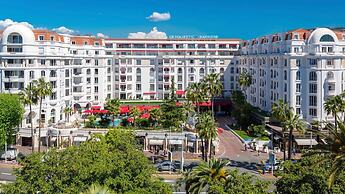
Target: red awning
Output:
[(104, 111), (87, 111), (179, 92), (95, 107), (204, 104), (220, 130), (124, 109), (131, 120)]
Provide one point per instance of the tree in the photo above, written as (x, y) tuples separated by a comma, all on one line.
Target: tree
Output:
[(213, 177), (67, 111), (245, 80), (333, 152), (308, 176), (135, 113), (43, 89), (334, 105), (242, 109), (114, 161), (91, 121), (207, 130), (155, 115), (173, 95), (294, 123), (213, 87), (172, 115), (196, 94), (281, 111), (113, 106), (11, 114), (28, 97)]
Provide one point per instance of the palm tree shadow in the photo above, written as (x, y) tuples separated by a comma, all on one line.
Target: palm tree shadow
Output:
[(250, 166)]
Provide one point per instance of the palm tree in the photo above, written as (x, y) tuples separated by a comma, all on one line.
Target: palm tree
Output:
[(280, 111), (245, 80), (334, 105), (196, 94), (207, 129), (155, 115), (43, 89), (333, 150), (205, 175), (213, 87), (135, 113), (293, 123), (28, 98), (67, 111), (97, 189), (113, 106)]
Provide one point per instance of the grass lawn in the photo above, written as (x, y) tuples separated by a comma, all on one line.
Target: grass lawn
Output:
[(246, 137)]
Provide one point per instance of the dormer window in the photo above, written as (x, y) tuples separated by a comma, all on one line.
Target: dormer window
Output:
[(295, 37), (73, 42), (15, 38), (96, 43), (41, 37), (85, 43), (52, 38)]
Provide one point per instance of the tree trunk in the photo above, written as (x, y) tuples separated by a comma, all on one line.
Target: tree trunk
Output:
[(202, 149), (113, 120), (32, 131), (290, 144), (335, 122), (212, 106), (208, 150), (284, 147), (39, 126), (210, 146)]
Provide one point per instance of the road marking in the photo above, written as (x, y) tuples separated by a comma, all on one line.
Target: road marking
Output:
[(5, 173)]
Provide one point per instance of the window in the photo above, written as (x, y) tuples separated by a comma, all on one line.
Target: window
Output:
[(138, 62), (88, 71), (313, 112), (152, 87), (312, 76), (138, 87), (138, 71), (298, 100), (15, 38), (312, 61), (96, 71), (329, 62), (326, 38), (313, 88), (312, 101), (96, 89), (298, 87), (40, 37), (298, 75), (330, 75), (32, 75), (43, 73)]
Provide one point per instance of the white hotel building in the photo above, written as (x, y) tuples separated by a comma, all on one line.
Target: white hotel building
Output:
[(85, 70), (304, 67)]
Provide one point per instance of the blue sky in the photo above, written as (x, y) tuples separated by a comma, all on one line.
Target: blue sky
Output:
[(243, 19)]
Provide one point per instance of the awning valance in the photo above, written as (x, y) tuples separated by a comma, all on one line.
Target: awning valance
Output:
[(156, 142), (306, 142)]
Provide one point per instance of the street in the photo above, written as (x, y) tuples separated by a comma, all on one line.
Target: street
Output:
[(6, 171)]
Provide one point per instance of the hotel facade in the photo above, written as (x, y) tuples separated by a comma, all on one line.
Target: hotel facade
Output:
[(85, 70), (303, 67)]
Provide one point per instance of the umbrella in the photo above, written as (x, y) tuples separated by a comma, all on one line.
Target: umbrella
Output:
[(87, 111)]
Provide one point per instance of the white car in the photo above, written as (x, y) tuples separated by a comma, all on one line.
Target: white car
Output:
[(10, 154)]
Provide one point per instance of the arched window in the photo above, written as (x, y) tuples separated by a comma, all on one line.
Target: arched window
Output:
[(138, 71), (202, 71), (52, 73), (221, 70), (330, 75), (326, 38), (52, 113), (15, 38), (123, 69), (312, 76), (152, 70), (179, 70), (88, 71), (43, 73)]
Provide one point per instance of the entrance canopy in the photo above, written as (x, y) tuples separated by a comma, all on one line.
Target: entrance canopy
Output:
[(306, 142)]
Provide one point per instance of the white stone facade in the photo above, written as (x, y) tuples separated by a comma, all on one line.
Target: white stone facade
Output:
[(86, 70), (304, 67)]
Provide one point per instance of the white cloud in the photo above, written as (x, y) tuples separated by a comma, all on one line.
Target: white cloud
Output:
[(153, 34), (7, 22), (157, 17), (63, 30), (101, 35)]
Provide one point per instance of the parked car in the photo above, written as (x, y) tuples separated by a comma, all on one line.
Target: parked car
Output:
[(166, 166), (190, 166), (10, 154)]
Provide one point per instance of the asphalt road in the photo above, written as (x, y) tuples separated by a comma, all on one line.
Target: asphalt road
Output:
[(6, 173)]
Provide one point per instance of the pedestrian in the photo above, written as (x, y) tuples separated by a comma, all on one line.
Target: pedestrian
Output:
[(258, 151), (245, 147)]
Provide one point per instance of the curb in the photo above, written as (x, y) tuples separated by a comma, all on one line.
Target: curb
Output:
[(233, 132)]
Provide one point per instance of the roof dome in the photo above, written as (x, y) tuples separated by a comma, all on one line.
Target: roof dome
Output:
[(322, 35), (21, 29)]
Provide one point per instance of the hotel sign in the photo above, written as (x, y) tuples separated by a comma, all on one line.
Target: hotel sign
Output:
[(193, 37)]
